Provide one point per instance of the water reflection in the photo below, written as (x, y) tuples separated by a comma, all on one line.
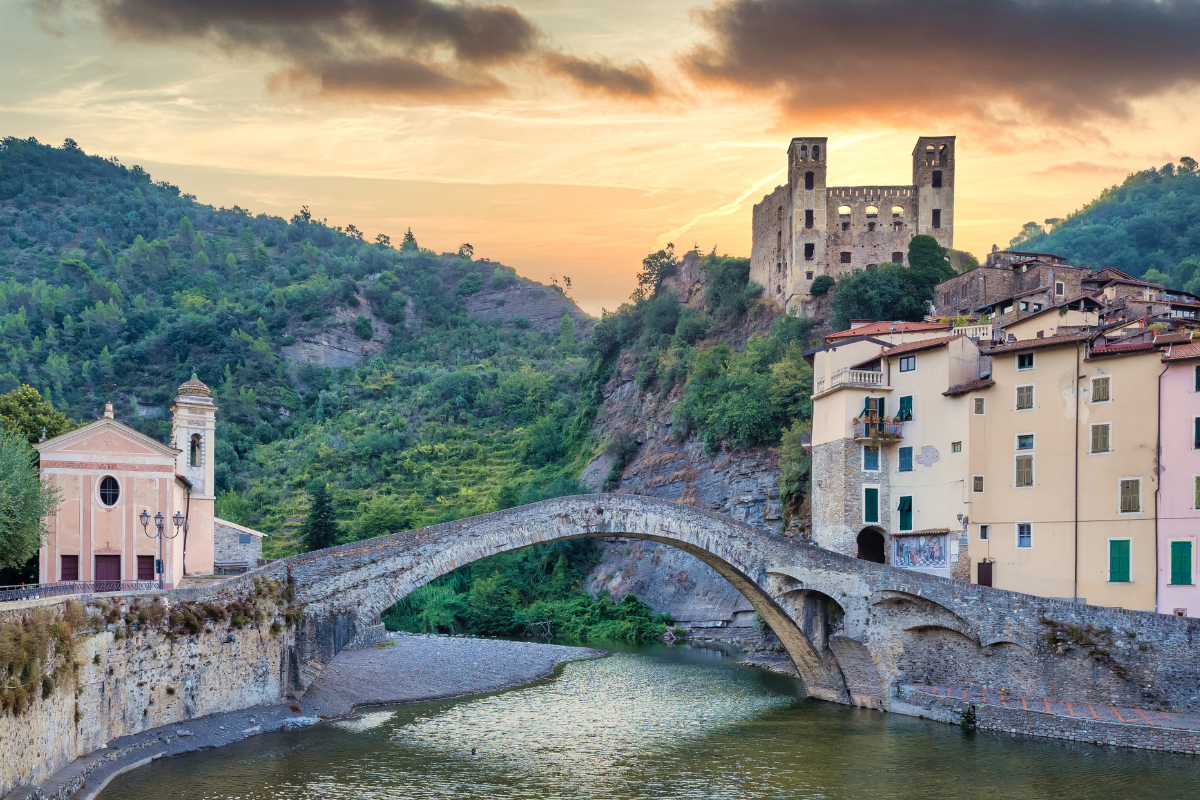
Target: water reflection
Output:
[(684, 722)]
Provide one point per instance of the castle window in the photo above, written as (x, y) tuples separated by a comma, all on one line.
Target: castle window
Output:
[(937, 218), (937, 179), (810, 250), (804, 152), (943, 154), (897, 257), (870, 226), (808, 180), (779, 215), (194, 450), (808, 276), (872, 212), (809, 220), (110, 491), (930, 156), (778, 240), (845, 256), (816, 151)]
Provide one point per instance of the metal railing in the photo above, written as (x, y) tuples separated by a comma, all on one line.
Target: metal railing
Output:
[(850, 377), (33, 591), (876, 429)]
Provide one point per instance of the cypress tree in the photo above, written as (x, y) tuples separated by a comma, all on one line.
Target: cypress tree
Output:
[(319, 530)]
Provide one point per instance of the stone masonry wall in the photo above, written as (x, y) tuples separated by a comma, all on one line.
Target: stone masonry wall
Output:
[(837, 502), (229, 547), (134, 683)]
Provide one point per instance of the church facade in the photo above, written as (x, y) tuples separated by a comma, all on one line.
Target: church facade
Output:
[(116, 486)]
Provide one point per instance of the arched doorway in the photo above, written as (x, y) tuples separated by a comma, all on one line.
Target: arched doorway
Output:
[(871, 545)]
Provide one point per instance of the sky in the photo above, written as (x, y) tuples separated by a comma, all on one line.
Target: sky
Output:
[(571, 138)]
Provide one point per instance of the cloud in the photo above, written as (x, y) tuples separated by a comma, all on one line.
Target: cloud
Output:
[(1059, 61), (635, 80), (417, 48), (1081, 168)]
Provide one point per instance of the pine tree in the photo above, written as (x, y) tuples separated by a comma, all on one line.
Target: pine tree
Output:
[(410, 242), (319, 530)]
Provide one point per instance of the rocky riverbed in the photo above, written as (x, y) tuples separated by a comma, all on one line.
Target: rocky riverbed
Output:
[(403, 668)]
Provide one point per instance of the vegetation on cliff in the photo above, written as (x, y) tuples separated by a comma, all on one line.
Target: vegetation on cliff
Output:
[(1147, 226), (892, 291)]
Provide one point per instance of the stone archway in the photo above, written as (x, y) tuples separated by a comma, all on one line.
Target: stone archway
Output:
[(872, 545)]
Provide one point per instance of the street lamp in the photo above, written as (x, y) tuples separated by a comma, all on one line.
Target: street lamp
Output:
[(159, 534)]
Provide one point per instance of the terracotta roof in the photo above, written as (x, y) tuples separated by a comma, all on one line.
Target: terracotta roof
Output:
[(885, 326), (194, 386), (924, 344), (1182, 352), (1176, 337), (963, 388), (1120, 349), (1030, 344)]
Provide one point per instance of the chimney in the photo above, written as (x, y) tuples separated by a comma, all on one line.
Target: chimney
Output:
[(893, 325), (108, 412)]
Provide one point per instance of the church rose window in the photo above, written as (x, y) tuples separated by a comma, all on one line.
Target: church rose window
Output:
[(110, 490)]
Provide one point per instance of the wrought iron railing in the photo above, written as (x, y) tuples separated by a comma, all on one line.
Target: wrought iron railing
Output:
[(885, 429), (32, 591)]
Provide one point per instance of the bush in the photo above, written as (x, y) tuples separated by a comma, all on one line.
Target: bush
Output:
[(470, 284), (821, 285), (363, 328)]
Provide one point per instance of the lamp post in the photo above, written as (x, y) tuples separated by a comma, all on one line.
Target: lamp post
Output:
[(159, 534)]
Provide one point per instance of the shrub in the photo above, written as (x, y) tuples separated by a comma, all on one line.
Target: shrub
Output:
[(363, 327), (821, 285)]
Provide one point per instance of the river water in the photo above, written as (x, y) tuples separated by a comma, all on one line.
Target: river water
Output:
[(682, 722)]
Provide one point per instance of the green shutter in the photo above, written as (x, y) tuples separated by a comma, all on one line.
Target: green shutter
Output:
[(1181, 563), (906, 504), (1197, 505), (905, 513), (871, 505), (905, 408), (1118, 560)]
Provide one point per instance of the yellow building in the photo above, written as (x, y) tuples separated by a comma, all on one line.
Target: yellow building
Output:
[(1063, 470)]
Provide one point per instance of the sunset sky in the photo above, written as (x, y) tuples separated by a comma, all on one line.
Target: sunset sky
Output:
[(565, 137)]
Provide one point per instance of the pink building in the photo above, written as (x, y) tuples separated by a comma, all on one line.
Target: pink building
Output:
[(1179, 480)]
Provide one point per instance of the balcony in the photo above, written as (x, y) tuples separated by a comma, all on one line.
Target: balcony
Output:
[(976, 332), (857, 378), (879, 431)]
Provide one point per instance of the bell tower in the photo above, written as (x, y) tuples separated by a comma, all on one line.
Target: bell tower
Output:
[(193, 433), (933, 181), (807, 176)]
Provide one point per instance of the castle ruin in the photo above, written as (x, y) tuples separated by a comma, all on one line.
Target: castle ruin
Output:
[(806, 229)]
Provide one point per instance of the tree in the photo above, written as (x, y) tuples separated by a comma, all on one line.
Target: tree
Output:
[(566, 331), (25, 501), (655, 267), (1187, 165), (409, 244), (384, 240), (1029, 231), (319, 529), (363, 328), (24, 411), (821, 285), (382, 515), (465, 250)]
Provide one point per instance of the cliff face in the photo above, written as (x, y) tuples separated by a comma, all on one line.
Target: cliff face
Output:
[(740, 482)]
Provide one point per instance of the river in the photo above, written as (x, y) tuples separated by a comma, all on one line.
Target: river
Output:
[(656, 722)]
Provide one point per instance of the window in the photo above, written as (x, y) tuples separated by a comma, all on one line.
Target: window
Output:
[(804, 152), (110, 490), (816, 151), (808, 276), (908, 364), (808, 180), (977, 484), (1024, 360), (937, 179), (985, 532), (978, 405), (956, 447), (905, 460), (1197, 492), (194, 450), (871, 459), (1181, 563), (937, 218), (1131, 495), (245, 538), (1059, 289), (1101, 389), (845, 256), (873, 405), (778, 240), (1037, 307), (1024, 307), (1025, 441), (905, 412), (897, 257), (1024, 398), (870, 504), (1196, 443), (810, 250), (1118, 560), (1024, 471), (1024, 534), (1101, 442), (905, 509), (1198, 379), (809, 221), (69, 571)]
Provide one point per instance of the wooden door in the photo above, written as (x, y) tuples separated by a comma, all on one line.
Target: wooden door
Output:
[(70, 568), (108, 573), (145, 568)]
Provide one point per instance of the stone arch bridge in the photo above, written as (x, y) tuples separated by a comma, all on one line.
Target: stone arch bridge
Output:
[(855, 630)]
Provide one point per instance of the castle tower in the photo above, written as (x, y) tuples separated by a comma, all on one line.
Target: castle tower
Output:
[(807, 177), (193, 433), (933, 179)]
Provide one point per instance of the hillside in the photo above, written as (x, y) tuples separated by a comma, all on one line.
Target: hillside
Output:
[(398, 375), (1151, 221)]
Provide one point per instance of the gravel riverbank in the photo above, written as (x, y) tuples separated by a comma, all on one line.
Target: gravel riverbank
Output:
[(405, 668)]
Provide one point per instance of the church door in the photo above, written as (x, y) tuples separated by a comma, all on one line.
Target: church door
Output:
[(108, 572)]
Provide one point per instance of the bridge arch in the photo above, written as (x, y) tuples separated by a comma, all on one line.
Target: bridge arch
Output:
[(344, 589)]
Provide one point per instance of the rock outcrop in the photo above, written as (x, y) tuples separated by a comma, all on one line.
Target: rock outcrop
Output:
[(527, 302)]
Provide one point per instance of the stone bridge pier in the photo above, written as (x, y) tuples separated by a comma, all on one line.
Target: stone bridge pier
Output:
[(855, 630)]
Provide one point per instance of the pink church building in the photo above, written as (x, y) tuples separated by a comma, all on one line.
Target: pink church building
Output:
[(116, 486), (1179, 480)]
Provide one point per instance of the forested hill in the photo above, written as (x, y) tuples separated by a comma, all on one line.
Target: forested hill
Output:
[(1149, 226), (115, 288)]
